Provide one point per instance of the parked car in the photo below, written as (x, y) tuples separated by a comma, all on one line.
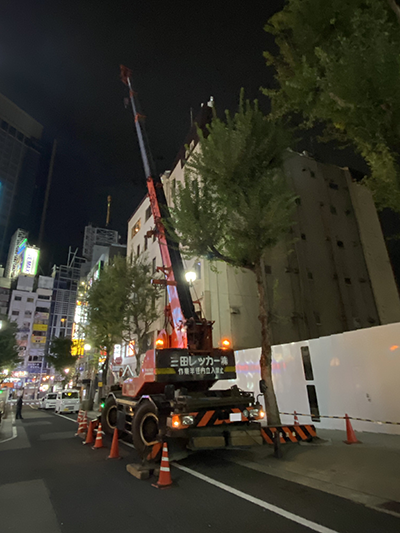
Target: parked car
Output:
[(67, 401), (48, 401)]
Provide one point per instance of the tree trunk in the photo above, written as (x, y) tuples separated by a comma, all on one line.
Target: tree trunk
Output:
[(271, 405), (104, 375)]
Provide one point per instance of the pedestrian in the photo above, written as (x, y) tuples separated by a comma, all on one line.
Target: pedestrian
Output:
[(19, 408)]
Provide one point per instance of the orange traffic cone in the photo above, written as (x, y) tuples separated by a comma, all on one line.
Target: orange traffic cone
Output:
[(164, 479), (351, 436), (296, 420), (79, 416), (114, 453), (82, 427), (99, 439), (90, 434), (84, 421)]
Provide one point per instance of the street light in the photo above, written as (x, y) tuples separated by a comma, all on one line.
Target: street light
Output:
[(190, 276), (87, 347), (66, 370)]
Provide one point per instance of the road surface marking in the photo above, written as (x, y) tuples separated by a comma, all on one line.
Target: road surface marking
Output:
[(14, 430), (268, 506), (66, 417)]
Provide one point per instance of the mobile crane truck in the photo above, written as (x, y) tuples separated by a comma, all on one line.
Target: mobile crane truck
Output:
[(173, 394)]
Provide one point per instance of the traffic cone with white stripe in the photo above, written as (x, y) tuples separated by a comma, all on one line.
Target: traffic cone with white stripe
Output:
[(84, 421), (82, 427), (99, 439), (296, 419), (79, 420), (164, 479)]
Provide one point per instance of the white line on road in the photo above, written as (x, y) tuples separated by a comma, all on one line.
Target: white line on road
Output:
[(268, 506), (66, 417)]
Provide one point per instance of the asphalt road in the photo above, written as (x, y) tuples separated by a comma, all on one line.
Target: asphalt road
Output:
[(51, 483)]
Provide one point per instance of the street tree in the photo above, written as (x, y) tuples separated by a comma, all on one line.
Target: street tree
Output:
[(338, 65), (235, 204), (60, 356), (8, 344), (122, 307)]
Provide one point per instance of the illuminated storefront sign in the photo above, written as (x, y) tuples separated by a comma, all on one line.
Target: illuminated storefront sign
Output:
[(30, 261), (40, 327)]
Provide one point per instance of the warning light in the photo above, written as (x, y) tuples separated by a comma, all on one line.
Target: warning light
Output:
[(225, 344), (159, 343), (176, 421), (261, 414)]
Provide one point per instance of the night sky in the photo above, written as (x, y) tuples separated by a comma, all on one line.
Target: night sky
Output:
[(59, 62)]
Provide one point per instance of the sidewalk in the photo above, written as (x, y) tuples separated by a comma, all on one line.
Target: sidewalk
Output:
[(367, 473)]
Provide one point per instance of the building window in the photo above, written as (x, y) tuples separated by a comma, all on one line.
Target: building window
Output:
[(313, 403), (303, 236), (154, 237), (145, 242), (309, 275), (340, 244), (30, 300), (138, 250), (347, 281), (317, 318), (148, 213), (312, 174), (333, 210), (307, 366), (136, 227), (18, 298), (41, 297), (28, 313), (298, 201), (197, 269), (333, 185), (154, 268), (15, 313)]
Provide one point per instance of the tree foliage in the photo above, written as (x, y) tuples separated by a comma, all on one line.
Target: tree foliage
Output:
[(8, 344), (235, 203), (339, 64), (60, 356), (122, 307)]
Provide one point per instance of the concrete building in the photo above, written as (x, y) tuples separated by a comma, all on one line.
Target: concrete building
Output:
[(66, 279), (30, 309), (23, 160), (332, 274), (97, 236)]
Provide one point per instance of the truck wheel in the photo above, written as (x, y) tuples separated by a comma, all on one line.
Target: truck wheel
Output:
[(109, 416), (145, 428)]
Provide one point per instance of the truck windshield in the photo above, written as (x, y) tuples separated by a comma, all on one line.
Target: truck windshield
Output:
[(70, 395), (51, 396)]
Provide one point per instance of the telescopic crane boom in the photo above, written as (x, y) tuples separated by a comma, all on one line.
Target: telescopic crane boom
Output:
[(188, 329)]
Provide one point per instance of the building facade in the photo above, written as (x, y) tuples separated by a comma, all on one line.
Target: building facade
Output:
[(97, 236), (330, 275), (22, 174), (30, 309), (66, 279)]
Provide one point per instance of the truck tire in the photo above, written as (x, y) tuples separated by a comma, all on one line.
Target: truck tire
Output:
[(145, 427), (109, 416)]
